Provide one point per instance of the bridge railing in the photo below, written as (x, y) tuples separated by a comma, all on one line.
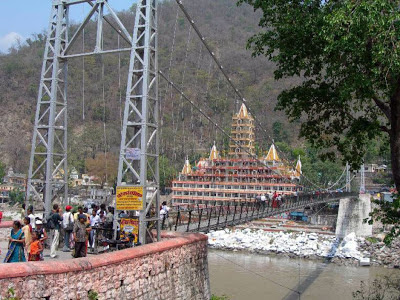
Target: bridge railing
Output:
[(219, 215)]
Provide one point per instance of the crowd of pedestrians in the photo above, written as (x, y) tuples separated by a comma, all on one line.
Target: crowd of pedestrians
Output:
[(28, 236)]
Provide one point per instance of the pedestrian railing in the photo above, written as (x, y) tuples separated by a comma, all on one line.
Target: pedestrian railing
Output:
[(204, 218)]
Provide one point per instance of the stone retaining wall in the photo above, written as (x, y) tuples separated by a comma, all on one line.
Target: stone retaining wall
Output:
[(174, 268)]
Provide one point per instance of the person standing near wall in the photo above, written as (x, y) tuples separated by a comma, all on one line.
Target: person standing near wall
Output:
[(80, 233), (54, 225), (68, 226)]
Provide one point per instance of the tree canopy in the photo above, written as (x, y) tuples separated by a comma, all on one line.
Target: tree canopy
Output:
[(346, 54)]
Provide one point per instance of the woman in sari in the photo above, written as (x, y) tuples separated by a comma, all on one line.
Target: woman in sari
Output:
[(16, 245)]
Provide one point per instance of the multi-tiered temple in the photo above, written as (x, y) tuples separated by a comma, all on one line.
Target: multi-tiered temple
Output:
[(240, 176)]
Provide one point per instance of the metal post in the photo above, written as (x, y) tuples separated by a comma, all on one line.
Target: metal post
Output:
[(141, 117), (362, 180), (178, 216), (200, 215), (209, 221), (234, 213), (219, 214), (241, 210), (190, 219), (226, 216), (348, 180)]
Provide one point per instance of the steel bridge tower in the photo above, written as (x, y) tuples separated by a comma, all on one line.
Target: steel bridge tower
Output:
[(48, 168)]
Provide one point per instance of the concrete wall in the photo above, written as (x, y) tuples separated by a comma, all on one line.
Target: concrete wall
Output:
[(351, 214), (324, 220), (175, 268)]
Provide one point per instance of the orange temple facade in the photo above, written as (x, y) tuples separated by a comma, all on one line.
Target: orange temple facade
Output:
[(241, 176)]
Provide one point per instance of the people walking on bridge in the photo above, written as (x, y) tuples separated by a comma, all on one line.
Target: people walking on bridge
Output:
[(81, 236), (54, 221), (16, 242), (68, 226)]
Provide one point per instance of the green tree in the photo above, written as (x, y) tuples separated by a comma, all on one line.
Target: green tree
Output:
[(167, 172), (16, 196), (2, 171), (347, 56)]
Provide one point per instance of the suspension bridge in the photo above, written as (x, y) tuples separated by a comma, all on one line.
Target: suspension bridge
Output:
[(141, 117), (205, 219)]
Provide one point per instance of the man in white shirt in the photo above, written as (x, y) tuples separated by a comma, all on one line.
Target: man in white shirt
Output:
[(263, 199), (68, 226), (32, 218), (94, 221)]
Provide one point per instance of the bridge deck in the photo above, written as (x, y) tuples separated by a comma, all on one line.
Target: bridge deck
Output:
[(219, 217)]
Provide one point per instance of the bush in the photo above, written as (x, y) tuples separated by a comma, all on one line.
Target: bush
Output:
[(223, 297)]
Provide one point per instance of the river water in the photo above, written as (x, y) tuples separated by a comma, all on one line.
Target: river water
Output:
[(247, 276)]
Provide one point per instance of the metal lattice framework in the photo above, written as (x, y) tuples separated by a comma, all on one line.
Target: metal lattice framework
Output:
[(141, 116), (48, 169), (49, 144)]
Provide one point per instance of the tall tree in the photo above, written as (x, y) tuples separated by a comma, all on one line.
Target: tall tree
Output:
[(104, 167), (347, 54)]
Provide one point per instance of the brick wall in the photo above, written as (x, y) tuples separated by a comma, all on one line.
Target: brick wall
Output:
[(174, 268)]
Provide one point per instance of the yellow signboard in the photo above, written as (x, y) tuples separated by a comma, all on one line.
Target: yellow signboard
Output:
[(129, 198), (129, 226)]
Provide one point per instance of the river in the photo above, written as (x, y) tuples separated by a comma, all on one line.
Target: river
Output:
[(246, 276)]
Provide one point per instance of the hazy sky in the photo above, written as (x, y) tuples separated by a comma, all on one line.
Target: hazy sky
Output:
[(22, 18)]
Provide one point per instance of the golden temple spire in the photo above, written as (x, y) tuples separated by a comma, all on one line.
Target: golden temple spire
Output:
[(243, 113), (272, 155), (241, 144), (297, 171), (187, 168), (214, 153)]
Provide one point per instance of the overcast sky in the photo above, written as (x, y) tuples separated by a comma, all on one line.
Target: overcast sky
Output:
[(19, 19)]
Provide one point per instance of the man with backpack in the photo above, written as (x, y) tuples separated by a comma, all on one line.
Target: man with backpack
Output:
[(53, 224), (68, 226)]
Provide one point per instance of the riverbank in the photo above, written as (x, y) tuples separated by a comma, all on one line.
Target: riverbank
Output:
[(351, 250)]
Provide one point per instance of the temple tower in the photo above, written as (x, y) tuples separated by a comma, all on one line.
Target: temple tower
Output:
[(241, 144)]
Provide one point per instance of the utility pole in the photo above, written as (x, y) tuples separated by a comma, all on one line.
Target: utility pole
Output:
[(348, 180), (362, 180)]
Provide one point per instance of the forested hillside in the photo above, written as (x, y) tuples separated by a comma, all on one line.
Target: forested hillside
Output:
[(95, 121)]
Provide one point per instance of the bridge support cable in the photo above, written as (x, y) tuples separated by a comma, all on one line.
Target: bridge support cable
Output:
[(222, 130), (241, 98)]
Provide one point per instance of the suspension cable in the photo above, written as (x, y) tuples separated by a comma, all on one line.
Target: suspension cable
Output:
[(237, 91), (222, 130)]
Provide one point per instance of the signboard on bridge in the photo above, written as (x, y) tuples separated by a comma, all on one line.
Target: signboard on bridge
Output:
[(129, 198), (129, 226)]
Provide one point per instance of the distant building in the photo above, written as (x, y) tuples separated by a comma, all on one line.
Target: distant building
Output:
[(12, 181), (240, 176), (375, 168)]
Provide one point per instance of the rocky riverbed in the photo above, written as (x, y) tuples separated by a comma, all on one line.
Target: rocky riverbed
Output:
[(351, 250)]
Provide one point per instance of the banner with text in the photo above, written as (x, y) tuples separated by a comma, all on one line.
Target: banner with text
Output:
[(129, 198)]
